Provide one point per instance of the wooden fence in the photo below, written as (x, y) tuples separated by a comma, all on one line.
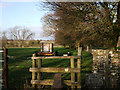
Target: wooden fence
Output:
[(38, 69), (4, 70)]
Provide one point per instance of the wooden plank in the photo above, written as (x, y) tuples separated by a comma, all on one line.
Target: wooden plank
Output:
[(33, 61), (55, 70), (33, 73), (39, 74), (79, 65), (50, 82), (42, 82), (78, 74), (56, 57), (5, 69), (72, 74)]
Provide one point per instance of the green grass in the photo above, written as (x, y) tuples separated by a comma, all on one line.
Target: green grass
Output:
[(19, 65)]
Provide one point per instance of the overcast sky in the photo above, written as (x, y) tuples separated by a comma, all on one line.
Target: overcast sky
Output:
[(27, 14)]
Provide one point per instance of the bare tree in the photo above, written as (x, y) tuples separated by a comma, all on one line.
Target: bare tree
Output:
[(3, 39), (20, 35), (0, 39)]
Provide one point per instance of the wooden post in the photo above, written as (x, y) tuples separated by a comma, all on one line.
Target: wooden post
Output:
[(78, 74), (5, 69), (79, 65), (33, 73), (42, 48), (72, 74), (39, 74), (106, 68)]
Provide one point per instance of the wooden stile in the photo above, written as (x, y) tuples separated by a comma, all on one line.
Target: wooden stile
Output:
[(38, 70)]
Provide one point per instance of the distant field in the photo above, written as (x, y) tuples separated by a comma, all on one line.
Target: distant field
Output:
[(20, 62)]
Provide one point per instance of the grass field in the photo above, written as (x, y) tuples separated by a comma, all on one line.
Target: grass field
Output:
[(20, 62)]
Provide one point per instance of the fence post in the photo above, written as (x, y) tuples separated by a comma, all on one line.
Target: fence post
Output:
[(39, 74), (5, 69), (72, 74), (106, 68), (79, 66), (33, 66)]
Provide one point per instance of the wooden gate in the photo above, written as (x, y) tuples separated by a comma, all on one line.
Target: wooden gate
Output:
[(37, 70)]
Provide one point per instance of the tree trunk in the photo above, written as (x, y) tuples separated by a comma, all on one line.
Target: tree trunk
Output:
[(118, 21), (87, 49), (79, 50)]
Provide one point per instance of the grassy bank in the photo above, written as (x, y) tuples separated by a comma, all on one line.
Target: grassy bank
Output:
[(20, 62)]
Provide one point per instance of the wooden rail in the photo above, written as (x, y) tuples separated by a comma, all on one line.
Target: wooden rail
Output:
[(55, 57), (55, 70), (50, 82), (36, 71)]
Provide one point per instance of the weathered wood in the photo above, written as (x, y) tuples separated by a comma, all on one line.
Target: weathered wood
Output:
[(55, 70), (39, 74), (50, 82), (79, 65), (33, 78), (55, 57), (72, 74), (40, 69), (78, 74), (33, 61), (5, 69), (57, 81), (33, 73)]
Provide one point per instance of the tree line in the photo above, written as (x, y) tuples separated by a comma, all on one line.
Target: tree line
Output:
[(17, 35), (95, 24)]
